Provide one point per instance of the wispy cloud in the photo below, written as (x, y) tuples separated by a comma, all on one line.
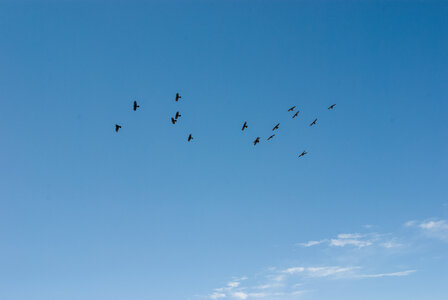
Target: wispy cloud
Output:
[(319, 271), (355, 239), (240, 295), (217, 295), (233, 284), (433, 228), (294, 270), (329, 271), (391, 244), (344, 239), (434, 225), (283, 282), (311, 243), (394, 274), (356, 253)]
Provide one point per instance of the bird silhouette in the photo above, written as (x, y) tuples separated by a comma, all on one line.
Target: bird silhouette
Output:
[(295, 115), (257, 140), (178, 97), (332, 106), (270, 137), (177, 115), (276, 127), (244, 126), (136, 106), (302, 154), (190, 137), (292, 108), (173, 120), (117, 127), (314, 122)]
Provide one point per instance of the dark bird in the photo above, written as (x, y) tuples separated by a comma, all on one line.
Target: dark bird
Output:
[(271, 137), (314, 122), (295, 115), (117, 127), (292, 108), (177, 115), (136, 106), (276, 127), (178, 97), (190, 137), (332, 106), (244, 126), (173, 120), (257, 140), (302, 154)]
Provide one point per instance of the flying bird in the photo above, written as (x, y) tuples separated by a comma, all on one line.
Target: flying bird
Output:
[(244, 126), (270, 137), (173, 120), (177, 115), (314, 122), (117, 127), (302, 154), (190, 137), (257, 140), (276, 127), (295, 115), (178, 97), (332, 106), (292, 108), (136, 106)]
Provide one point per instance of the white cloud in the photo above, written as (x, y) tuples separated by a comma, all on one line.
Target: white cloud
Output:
[(268, 286), (434, 225), (410, 223), (233, 284), (311, 243), (279, 283), (259, 295), (217, 295), (342, 242), (390, 244), (294, 270), (349, 236), (318, 271), (282, 283), (345, 239), (432, 229), (240, 295), (395, 274), (277, 278), (297, 293), (232, 289), (328, 271)]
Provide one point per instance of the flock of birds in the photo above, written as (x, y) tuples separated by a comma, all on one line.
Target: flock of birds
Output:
[(256, 141), (173, 119), (276, 127)]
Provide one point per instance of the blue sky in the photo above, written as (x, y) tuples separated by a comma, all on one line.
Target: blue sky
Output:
[(86, 213)]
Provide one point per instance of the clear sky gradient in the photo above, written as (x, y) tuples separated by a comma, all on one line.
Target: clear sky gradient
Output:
[(89, 214)]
